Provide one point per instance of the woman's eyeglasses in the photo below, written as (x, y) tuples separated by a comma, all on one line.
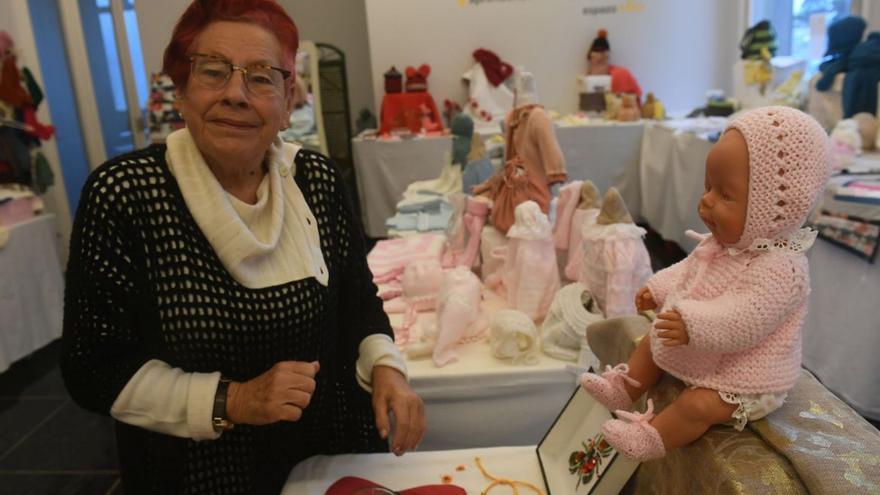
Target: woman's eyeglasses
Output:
[(260, 79)]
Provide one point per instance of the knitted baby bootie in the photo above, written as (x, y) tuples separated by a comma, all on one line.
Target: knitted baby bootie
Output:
[(637, 439), (608, 388)]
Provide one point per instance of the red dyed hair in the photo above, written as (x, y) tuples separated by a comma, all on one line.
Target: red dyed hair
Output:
[(264, 13)]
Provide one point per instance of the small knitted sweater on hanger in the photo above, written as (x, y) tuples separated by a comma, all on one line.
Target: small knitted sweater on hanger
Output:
[(143, 282)]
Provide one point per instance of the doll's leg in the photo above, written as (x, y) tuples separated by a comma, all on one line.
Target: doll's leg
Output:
[(647, 437), (642, 369), (690, 415), (618, 387)]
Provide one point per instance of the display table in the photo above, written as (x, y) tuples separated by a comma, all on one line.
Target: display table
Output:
[(316, 474), (31, 289), (460, 397), (384, 168), (841, 336), (607, 154), (672, 169)]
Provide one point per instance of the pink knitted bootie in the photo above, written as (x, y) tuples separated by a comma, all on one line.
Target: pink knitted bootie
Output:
[(474, 220), (608, 388), (637, 439)]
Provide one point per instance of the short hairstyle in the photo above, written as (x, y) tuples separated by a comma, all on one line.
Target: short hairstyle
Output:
[(200, 13)]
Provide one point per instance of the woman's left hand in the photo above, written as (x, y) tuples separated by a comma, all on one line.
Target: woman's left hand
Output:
[(392, 393)]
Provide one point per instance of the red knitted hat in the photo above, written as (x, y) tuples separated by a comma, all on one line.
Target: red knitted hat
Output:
[(789, 164), (417, 79)]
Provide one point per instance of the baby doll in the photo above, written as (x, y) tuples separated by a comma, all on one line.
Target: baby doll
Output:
[(730, 314)]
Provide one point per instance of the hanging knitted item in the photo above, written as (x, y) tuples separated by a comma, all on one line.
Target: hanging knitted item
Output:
[(42, 173), (32, 87), (497, 70), (11, 90), (393, 81), (761, 35), (34, 127)]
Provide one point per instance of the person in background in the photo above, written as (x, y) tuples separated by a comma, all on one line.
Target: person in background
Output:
[(622, 81), (218, 304)]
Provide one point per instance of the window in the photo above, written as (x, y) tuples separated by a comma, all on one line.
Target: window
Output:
[(800, 25)]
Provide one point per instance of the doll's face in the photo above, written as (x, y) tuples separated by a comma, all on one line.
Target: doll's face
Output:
[(724, 203)]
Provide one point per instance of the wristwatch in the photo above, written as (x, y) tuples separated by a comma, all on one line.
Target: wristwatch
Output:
[(218, 415)]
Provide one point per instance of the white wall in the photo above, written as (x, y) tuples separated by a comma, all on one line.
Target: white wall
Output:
[(677, 49), (15, 19), (341, 23)]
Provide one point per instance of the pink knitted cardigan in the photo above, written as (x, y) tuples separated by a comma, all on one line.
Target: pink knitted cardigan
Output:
[(744, 305)]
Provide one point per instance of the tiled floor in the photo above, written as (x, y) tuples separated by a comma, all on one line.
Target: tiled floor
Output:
[(48, 444)]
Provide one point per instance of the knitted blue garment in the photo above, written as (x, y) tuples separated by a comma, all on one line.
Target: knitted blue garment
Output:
[(843, 36), (143, 283), (475, 173), (860, 83)]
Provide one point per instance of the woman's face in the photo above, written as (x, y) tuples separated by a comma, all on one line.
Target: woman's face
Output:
[(598, 58), (724, 204), (230, 124)]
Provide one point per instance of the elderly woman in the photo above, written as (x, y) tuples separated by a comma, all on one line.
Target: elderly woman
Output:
[(218, 303)]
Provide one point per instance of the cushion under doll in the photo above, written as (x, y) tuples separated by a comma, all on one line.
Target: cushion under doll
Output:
[(730, 314)]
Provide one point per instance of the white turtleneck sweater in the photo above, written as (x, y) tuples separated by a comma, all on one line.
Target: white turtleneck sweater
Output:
[(271, 242)]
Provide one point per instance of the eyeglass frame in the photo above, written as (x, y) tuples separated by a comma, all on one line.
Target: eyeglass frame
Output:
[(285, 74)]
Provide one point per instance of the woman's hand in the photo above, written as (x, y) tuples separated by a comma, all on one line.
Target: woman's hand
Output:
[(279, 394), (670, 328), (391, 392), (644, 300)]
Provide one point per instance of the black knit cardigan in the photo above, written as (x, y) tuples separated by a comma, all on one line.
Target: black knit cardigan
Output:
[(144, 283)]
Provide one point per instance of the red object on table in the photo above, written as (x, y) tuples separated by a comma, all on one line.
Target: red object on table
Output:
[(351, 485), (404, 110)]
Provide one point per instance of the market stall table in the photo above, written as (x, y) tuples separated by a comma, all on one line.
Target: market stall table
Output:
[(462, 398), (316, 474), (606, 153), (31, 289), (673, 163), (841, 336)]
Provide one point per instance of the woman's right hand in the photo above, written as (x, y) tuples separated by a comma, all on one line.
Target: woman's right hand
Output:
[(279, 394), (644, 300)]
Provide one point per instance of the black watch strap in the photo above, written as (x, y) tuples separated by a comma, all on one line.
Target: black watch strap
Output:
[(218, 415)]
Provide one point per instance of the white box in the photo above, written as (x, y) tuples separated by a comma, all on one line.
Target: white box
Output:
[(573, 456)]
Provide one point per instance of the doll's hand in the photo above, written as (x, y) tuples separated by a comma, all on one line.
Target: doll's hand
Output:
[(670, 328), (644, 300)]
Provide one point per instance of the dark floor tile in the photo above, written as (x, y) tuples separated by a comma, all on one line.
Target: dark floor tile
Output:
[(56, 484), (20, 417), (116, 489), (35, 375), (72, 439)]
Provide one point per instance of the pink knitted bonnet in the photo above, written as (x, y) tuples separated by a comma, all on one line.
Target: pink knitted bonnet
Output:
[(789, 164)]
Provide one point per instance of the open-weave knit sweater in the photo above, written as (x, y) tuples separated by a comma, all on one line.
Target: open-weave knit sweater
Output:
[(743, 316), (143, 283)]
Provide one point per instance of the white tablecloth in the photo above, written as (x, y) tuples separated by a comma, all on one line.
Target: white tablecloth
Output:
[(316, 474), (31, 289), (607, 154), (673, 165), (461, 397)]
